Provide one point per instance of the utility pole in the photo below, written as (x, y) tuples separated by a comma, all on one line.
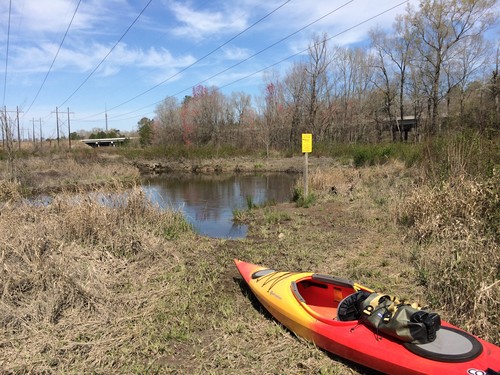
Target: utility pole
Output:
[(41, 138), (57, 125), (34, 139), (69, 129), (6, 131), (3, 122), (106, 118), (18, 129)]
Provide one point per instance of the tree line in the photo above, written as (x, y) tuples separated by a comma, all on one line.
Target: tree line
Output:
[(434, 71)]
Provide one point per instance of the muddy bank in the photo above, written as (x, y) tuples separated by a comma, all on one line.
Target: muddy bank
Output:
[(232, 165)]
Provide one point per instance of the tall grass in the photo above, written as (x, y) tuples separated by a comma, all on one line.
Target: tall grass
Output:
[(67, 170), (454, 216), (75, 289), (372, 154), (464, 154)]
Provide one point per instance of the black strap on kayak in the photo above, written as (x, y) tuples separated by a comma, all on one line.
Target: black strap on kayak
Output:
[(274, 278)]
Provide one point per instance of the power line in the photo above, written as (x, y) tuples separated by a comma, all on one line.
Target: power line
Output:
[(55, 57), (198, 60), (7, 55), (274, 44), (242, 61), (109, 53), (272, 65), (306, 49)]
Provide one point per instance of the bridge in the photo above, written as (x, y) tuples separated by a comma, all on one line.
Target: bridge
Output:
[(104, 142)]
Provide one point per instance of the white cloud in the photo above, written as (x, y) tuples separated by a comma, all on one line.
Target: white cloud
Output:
[(202, 23), (85, 57), (332, 17), (235, 53), (49, 16)]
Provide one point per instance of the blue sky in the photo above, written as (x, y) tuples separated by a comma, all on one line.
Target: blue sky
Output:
[(159, 55)]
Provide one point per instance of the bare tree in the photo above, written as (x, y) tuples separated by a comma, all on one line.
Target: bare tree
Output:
[(294, 94), (393, 54), (468, 60), (8, 142), (240, 115), (383, 77), (316, 69), (353, 70), (169, 121), (438, 26)]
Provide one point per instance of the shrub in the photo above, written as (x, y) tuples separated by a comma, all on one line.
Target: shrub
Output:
[(462, 154), (457, 224), (301, 200)]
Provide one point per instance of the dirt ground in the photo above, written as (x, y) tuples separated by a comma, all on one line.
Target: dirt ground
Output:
[(231, 165)]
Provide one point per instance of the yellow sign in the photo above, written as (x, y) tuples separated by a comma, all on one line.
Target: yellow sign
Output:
[(307, 142)]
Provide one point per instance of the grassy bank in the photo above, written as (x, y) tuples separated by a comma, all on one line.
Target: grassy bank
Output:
[(51, 172), (126, 288)]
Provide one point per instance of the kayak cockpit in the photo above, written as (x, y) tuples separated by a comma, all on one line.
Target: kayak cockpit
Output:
[(320, 295)]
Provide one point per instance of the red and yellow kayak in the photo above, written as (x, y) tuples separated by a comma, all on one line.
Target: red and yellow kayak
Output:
[(306, 303)]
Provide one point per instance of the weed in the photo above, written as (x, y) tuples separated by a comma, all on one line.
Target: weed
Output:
[(275, 217), (301, 200), (462, 154), (250, 202), (238, 215)]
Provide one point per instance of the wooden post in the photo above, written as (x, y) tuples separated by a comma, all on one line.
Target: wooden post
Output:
[(306, 176), (306, 149)]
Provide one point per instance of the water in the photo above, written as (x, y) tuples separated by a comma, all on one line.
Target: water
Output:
[(208, 201)]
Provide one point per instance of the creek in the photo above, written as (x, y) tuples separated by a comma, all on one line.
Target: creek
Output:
[(208, 201)]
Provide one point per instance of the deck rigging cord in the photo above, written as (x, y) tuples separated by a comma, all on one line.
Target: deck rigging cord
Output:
[(274, 278)]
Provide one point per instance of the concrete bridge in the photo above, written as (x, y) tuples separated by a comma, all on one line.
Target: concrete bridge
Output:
[(104, 142)]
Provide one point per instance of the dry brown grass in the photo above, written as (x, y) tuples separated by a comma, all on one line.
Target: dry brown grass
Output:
[(457, 226), (61, 171), (76, 280)]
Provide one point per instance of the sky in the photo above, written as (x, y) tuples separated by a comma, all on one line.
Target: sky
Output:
[(118, 59)]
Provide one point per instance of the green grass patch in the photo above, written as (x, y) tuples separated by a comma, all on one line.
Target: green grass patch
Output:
[(368, 154), (301, 200), (275, 217)]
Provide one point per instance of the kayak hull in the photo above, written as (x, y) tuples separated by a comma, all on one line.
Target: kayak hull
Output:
[(306, 304)]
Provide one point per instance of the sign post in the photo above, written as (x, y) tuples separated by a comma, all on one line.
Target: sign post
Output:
[(306, 149)]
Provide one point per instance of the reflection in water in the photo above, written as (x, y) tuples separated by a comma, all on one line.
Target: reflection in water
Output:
[(208, 201)]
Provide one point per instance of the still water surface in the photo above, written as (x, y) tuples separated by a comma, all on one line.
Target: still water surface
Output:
[(208, 201)]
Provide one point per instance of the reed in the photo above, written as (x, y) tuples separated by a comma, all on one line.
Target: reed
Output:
[(56, 172), (76, 274), (453, 215), (457, 226)]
